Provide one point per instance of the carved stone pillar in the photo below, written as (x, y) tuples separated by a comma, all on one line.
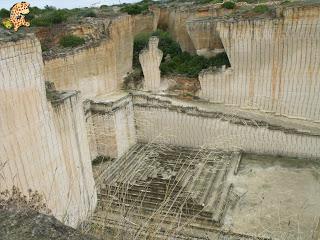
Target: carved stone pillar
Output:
[(150, 60)]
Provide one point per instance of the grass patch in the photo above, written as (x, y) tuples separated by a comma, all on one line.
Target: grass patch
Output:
[(261, 9), (50, 17), (71, 41)]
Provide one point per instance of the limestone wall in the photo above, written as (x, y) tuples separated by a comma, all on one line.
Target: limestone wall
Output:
[(145, 23), (174, 20), (205, 38), (150, 60), (110, 121), (274, 64), (96, 70), (191, 36), (180, 124), (42, 147)]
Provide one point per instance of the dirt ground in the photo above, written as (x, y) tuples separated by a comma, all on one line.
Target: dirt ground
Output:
[(280, 198)]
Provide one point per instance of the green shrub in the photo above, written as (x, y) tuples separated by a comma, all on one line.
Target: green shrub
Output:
[(140, 42), (71, 41), (104, 7), (261, 9), (216, 1), (4, 13), (138, 8), (90, 14), (58, 16), (179, 62), (229, 5), (41, 22), (134, 9), (50, 17)]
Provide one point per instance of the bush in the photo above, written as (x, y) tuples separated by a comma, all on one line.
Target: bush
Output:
[(229, 5), (41, 22), (138, 8), (134, 9), (261, 9), (50, 17), (71, 41), (179, 62), (4, 13), (90, 14)]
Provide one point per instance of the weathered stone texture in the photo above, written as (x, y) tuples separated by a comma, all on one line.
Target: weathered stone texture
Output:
[(150, 60), (145, 23), (191, 37), (183, 125), (96, 70), (42, 147), (205, 38), (110, 121), (274, 64)]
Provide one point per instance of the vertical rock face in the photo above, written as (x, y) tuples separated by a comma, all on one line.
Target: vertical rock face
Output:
[(150, 60), (96, 70), (111, 126), (193, 36), (43, 147), (274, 64), (182, 125), (205, 38), (145, 23), (174, 21)]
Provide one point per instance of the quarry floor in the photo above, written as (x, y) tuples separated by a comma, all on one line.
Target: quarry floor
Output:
[(279, 198)]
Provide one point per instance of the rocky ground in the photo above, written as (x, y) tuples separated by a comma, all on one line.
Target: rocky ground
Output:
[(31, 225)]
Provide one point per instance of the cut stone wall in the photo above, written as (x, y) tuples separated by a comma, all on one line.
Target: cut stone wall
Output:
[(145, 23), (96, 70), (274, 64), (193, 38), (186, 125), (43, 147), (110, 121), (205, 38)]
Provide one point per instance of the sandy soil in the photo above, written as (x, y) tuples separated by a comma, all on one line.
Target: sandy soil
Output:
[(280, 198)]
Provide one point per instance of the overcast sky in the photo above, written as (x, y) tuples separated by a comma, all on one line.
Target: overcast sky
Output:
[(64, 3)]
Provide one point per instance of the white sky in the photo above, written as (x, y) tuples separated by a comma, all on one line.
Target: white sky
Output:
[(64, 3)]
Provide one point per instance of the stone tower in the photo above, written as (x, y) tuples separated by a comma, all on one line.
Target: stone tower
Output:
[(150, 60)]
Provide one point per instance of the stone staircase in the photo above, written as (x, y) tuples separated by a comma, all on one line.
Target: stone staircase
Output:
[(168, 184)]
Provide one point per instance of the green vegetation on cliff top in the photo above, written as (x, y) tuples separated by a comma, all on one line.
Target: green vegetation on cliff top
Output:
[(71, 41)]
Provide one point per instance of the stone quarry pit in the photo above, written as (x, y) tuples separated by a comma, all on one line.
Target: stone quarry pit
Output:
[(233, 154)]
